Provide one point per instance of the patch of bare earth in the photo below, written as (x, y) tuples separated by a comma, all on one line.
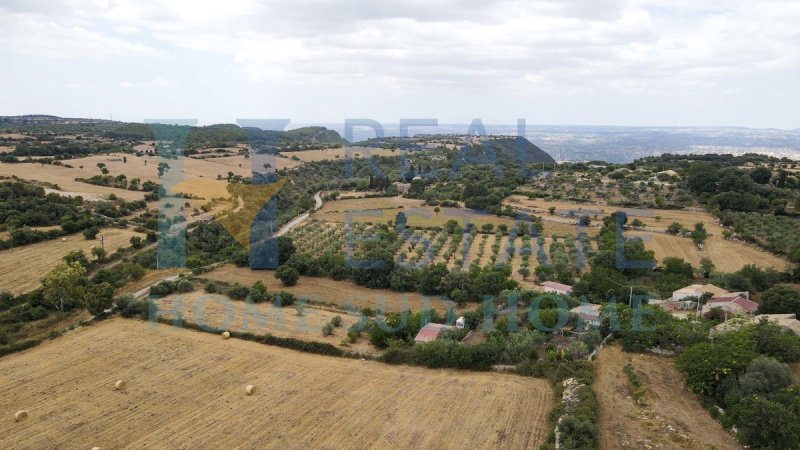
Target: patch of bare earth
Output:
[(669, 415)]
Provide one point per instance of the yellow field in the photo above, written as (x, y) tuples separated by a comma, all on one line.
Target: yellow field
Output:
[(381, 210), (22, 268), (221, 312), (64, 177), (339, 153), (671, 417), (728, 256), (343, 293), (186, 390)]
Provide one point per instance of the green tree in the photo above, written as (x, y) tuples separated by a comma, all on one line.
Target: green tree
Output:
[(781, 299), (91, 232), (706, 267), (288, 275), (286, 249), (77, 256), (699, 234), (765, 375), (99, 297), (136, 242), (99, 253), (62, 286)]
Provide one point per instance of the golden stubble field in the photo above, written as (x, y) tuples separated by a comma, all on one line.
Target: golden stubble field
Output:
[(186, 390), (671, 416), (220, 312), (22, 268), (343, 293)]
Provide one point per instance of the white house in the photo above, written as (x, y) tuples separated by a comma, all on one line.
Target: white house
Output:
[(697, 290), (736, 304), (589, 314), (556, 288)]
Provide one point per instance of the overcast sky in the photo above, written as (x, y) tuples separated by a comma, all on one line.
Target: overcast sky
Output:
[(638, 62)]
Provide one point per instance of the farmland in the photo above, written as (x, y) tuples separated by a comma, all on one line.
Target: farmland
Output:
[(341, 293), (220, 312), (670, 416), (186, 389), (24, 267), (727, 255)]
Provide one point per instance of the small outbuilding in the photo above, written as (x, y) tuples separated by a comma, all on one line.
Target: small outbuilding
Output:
[(430, 332)]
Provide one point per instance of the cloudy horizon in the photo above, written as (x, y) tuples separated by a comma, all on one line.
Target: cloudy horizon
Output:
[(609, 62)]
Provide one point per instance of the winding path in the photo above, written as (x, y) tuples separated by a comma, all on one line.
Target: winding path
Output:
[(301, 218)]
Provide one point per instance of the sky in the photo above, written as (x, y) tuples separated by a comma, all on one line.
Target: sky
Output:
[(593, 62)]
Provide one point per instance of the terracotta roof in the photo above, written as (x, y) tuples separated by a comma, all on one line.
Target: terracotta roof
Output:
[(430, 332), (559, 286), (739, 300)]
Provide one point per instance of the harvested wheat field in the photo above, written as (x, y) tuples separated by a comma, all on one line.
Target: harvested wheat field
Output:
[(22, 268), (670, 416), (64, 177), (728, 256), (343, 293), (220, 312), (186, 389)]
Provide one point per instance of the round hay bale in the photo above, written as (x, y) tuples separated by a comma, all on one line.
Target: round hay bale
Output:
[(63, 239), (119, 385), (226, 334), (249, 389), (20, 416)]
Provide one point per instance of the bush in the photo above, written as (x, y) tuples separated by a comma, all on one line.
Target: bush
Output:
[(336, 321), (184, 286), (258, 293), (288, 275), (211, 287), (284, 298), (327, 329), (765, 375), (130, 308), (5, 339), (238, 292)]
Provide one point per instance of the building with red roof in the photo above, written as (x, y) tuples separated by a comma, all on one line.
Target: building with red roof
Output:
[(430, 332), (736, 304)]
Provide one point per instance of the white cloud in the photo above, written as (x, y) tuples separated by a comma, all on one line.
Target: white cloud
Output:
[(157, 83), (562, 47)]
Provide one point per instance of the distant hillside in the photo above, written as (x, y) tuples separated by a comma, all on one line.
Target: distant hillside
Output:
[(479, 149), (297, 139), (509, 149)]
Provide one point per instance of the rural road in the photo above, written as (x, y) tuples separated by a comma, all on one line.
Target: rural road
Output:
[(301, 218)]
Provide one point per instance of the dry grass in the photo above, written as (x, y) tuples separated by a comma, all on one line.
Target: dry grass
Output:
[(671, 416), (186, 390), (728, 256), (381, 210), (22, 268), (343, 293), (221, 312), (339, 153), (64, 177)]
